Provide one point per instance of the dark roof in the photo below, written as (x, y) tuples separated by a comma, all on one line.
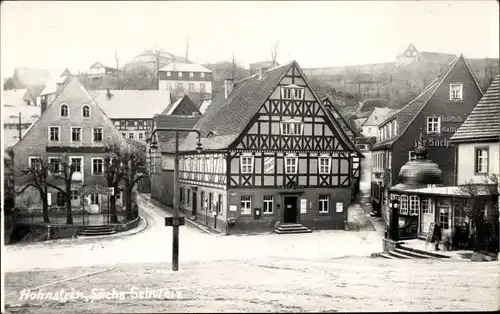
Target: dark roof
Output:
[(166, 140), (483, 123), (332, 109), (226, 118), (407, 114)]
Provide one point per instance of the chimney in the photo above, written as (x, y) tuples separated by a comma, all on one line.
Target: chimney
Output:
[(43, 104), (228, 87), (59, 87), (261, 73), (108, 94)]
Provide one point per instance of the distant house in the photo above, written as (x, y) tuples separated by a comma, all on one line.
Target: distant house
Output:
[(412, 55), (183, 106), (149, 60), (188, 78), (376, 117), (17, 119), (18, 97), (98, 71), (25, 77), (132, 111)]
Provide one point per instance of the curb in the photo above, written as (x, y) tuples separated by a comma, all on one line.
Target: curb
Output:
[(136, 230), (165, 208)]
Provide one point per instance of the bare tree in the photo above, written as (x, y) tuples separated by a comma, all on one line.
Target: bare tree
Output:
[(35, 176), (63, 173), (118, 81), (274, 52), (130, 166), (485, 225)]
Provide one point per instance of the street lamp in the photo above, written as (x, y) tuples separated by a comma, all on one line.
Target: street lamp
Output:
[(175, 221)]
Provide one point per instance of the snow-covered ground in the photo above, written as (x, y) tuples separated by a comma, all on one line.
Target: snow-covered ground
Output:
[(154, 245), (272, 285)]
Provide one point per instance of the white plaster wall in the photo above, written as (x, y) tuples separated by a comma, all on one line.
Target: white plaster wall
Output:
[(466, 162)]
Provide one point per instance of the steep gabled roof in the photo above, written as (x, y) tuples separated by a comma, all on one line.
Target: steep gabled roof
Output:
[(226, 118), (132, 104), (15, 97), (378, 115), (74, 93), (408, 113), (182, 102), (483, 122), (166, 140)]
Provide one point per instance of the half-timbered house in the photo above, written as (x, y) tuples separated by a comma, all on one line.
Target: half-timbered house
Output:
[(273, 157)]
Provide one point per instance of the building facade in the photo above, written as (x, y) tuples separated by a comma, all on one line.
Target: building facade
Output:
[(132, 111), (186, 77), (436, 114), (272, 154), (72, 130), (99, 71)]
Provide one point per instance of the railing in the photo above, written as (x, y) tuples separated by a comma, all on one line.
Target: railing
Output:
[(80, 218)]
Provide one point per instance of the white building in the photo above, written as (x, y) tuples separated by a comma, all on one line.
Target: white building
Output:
[(186, 77)]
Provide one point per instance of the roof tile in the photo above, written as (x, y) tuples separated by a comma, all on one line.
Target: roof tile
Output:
[(484, 121)]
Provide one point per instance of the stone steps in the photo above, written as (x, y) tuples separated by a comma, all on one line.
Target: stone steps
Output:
[(96, 231), (291, 228)]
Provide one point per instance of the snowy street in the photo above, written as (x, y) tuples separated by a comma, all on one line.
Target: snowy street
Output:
[(155, 242)]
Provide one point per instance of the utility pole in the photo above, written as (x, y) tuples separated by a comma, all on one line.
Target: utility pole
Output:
[(232, 68)]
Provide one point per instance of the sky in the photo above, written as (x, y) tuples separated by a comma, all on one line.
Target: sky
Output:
[(64, 34)]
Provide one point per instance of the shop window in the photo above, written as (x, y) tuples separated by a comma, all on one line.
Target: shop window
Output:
[(404, 205)]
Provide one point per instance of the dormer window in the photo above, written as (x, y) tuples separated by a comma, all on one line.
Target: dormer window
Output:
[(292, 92), (86, 111), (64, 111), (456, 91), (291, 127)]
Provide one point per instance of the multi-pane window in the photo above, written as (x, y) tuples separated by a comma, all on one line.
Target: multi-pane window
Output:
[(64, 111), (246, 164), (202, 74), (414, 205), (444, 218), (246, 205), (179, 74), (86, 111), (54, 133), (131, 135), (55, 164), (76, 134), (404, 205), (191, 74), (426, 206), (169, 73), (433, 125), (94, 199), (324, 164), (97, 134), (74, 195), (455, 91), (324, 201), (123, 124), (268, 204), (97, 166), (481, 162), (78, 164), (292, 93), (291, 128), (291, 164), (141, 136), (35, 162)]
